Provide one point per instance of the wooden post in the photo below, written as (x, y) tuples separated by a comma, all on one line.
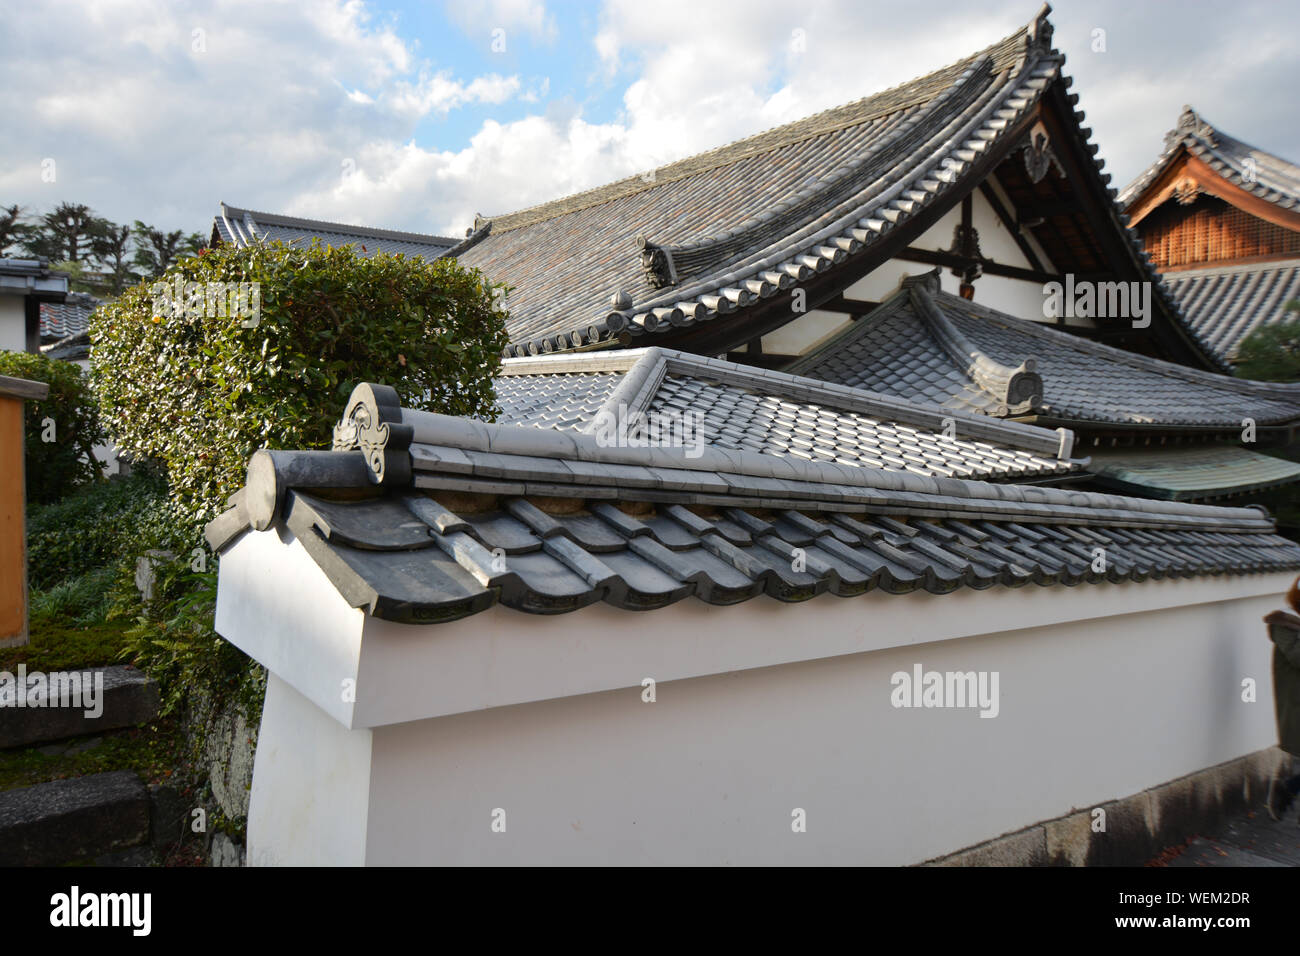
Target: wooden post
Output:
[(13, 508)]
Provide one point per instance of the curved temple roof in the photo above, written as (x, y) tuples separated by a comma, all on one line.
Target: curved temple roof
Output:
[(705, 239), (1246, 167), (1225, 301), (900, 348), (462, 515)]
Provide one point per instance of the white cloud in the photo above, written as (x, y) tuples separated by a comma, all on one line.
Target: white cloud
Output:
[(481, 17), (285, 94), (146, 121), (440, 93)]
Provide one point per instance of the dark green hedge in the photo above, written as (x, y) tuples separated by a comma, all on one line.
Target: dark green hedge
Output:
[(201, 393), (1271, 353), (98, 527), (55, 468)]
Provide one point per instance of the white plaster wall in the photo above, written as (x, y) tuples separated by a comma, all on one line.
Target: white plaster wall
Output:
[(278, 607), (763, 707), (13, 323), (710, 772), (311, 785), (1013, 296)]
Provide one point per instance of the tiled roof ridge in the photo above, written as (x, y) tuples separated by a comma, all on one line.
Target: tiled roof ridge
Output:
[(1221, 152), (421, 518), (409, 448), (24, 267), (1145, 362), (923, 89), (233, 213), (1018, 390), (646, 367)]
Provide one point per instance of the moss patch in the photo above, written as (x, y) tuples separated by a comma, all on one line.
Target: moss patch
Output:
[(59, 646), (156, 751)]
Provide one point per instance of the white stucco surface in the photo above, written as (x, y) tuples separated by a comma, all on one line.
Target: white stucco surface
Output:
[(13, 323), (1015, 297)]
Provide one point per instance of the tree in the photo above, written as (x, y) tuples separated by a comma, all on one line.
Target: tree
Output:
[(13, 231), (60, 430), (113, 250), (1272, 352), (156, 250), (66, 234)]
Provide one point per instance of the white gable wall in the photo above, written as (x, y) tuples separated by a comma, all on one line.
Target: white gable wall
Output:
[(1013, 296), (13, 323)]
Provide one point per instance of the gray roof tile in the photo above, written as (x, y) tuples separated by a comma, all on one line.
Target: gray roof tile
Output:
[(423, 557), (772, 413), (894, 350), (1224, 304), (60, 320), (242, 226)]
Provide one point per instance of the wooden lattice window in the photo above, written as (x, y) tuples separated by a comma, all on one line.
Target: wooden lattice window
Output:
[(1211, 230)]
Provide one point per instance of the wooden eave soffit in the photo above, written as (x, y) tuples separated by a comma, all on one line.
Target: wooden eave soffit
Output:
[(1189, 171)]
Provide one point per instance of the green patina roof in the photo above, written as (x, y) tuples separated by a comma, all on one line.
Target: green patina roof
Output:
[(1185, 474)]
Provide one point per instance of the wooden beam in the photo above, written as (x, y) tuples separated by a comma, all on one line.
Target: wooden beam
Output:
[(854, 308), (771, 360), (934, 258), (1119, 256), (32, 323), (1046, 209)]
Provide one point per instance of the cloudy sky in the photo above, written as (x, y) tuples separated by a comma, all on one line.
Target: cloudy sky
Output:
[(416, 114)]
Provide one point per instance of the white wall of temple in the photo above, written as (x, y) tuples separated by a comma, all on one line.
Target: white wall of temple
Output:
[(1015, 297), (13, 323), (760, 709)]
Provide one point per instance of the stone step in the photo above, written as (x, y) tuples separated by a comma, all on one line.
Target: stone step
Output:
[(127, 698), (69, 820)]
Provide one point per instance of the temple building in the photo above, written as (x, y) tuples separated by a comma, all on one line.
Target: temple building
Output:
[(1221, 221), (768, 526), (243, 226), (954, 240), (1030, 296)]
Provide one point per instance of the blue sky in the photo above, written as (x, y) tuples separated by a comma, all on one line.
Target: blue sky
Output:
[(406, 114), (557, 56)]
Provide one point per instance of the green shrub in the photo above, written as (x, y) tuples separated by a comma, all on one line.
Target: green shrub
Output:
[(68, 415), (201, 393), (1271, 353), (97, 527), (78, 601)]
